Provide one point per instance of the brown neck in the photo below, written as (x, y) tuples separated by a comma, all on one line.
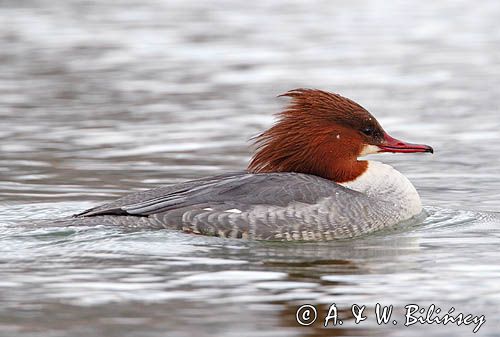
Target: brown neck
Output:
[(317, 158), (348, 171)]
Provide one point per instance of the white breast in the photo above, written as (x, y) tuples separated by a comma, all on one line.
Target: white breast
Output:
[(383, 182)]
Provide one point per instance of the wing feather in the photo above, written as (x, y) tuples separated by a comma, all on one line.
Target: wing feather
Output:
[(242, 189)]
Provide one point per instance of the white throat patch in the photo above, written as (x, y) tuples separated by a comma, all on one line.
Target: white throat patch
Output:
[(369, 149)]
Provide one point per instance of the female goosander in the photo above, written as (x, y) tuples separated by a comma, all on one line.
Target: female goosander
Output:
[(305, 182)]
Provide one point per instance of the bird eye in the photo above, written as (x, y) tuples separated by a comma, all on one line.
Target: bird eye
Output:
[(368, 131)]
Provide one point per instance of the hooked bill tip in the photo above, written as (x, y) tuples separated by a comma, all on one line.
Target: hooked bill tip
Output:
[(394, 145)]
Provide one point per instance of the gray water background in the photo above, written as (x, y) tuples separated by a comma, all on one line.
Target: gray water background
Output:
[(98, 99)]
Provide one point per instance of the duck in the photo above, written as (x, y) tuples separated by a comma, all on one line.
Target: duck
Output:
[(306, 181)]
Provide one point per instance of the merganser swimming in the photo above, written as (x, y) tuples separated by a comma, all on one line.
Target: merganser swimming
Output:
[(305, 182)]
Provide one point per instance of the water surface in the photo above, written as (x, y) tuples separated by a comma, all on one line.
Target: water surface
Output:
[(98, 99)]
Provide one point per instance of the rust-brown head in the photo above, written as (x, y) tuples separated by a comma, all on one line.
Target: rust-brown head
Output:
[(323, 134)]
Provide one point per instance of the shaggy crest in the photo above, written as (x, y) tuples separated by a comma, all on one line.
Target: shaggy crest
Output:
[(319, 133)]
